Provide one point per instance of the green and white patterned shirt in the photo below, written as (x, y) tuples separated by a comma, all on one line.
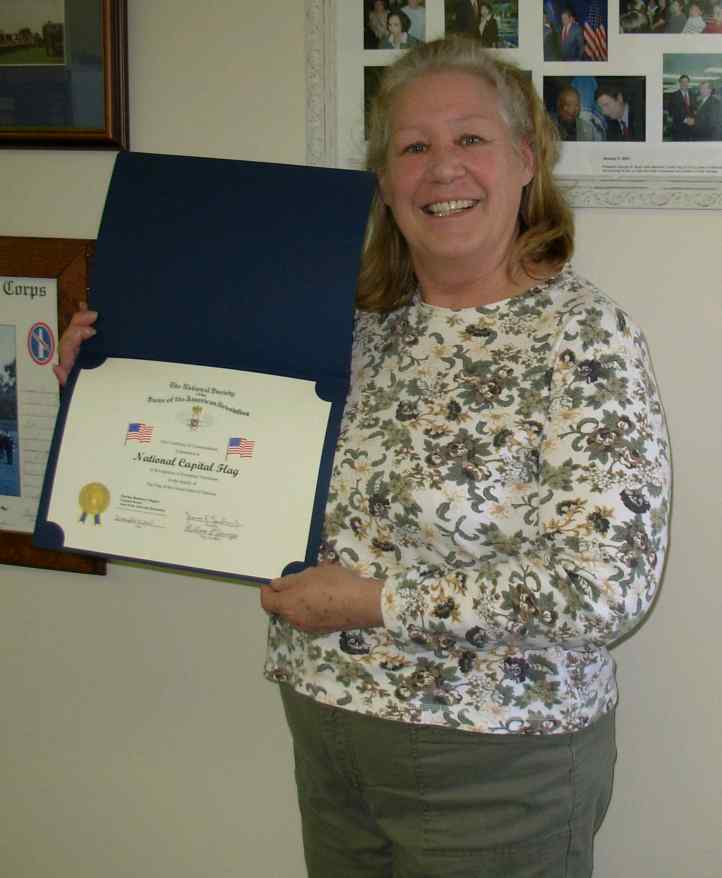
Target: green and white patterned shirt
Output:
[(505, 471)]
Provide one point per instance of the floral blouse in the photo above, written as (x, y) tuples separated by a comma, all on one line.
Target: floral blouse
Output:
[(504, 471)]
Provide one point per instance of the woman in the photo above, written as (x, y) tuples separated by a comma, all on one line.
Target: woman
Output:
[(488, 28), (496, 515), (397, 25), (377, 21)]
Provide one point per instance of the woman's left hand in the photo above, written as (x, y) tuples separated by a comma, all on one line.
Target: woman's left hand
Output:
[(324, 599)]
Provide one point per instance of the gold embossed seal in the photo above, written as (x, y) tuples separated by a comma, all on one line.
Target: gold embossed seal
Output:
[(94, 499)]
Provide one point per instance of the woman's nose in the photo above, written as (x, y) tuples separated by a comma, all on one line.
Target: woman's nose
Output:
[(447, 165)]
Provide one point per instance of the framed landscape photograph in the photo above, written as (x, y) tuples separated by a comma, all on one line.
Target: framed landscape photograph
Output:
[(63, 74), (43, 281), (611, 74)]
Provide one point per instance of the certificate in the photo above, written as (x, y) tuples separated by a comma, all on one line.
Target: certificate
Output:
[(222, 464), (191, 466)]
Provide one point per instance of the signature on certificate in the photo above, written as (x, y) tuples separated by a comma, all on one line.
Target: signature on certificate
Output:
[(212, 527), (137, 522)]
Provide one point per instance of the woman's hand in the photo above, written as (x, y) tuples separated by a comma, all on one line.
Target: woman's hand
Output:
[(324, 599), (79, 330)]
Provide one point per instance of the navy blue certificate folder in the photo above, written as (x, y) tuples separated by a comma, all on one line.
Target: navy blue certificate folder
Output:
[(231, 264)]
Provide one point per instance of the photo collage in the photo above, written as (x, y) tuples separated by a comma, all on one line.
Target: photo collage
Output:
[(608, 71)]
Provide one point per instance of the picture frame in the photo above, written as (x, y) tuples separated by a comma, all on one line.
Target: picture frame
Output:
[(64, 84), (653, 174), (68, 261)]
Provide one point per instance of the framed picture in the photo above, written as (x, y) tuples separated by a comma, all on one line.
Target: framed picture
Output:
[(610, 73), (43, 282), (63, 74)]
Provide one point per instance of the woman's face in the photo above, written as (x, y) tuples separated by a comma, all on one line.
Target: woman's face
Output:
[(379, 6), (453, 177), (394, 26)]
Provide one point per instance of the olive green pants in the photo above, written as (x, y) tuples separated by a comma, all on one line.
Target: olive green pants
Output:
[(393, 800)]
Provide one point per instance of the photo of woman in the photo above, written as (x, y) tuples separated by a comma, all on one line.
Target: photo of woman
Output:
[(495, 24)]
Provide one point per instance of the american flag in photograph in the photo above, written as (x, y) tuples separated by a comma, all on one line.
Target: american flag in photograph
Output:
[(595, 33), (138, 432), (240, 446)]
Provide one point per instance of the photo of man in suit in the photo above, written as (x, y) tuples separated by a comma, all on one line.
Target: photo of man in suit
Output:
[(623, 109), (571, 38), (573, 123), (569, 100), (682, 106), (708, 115)]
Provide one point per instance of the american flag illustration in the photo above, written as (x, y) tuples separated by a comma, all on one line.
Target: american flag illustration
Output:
[(240, 446), (595, 33), (138, 432)]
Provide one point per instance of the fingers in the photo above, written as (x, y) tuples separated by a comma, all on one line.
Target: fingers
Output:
[(79, 329), (283, 583), (61, 374), (270, 600), (272, 593)]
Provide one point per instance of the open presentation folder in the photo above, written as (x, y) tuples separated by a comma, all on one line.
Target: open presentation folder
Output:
[(198, 427)]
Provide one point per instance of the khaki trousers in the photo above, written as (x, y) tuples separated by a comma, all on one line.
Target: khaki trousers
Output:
[(384, 799)]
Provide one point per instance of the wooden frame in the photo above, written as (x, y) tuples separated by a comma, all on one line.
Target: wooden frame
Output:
[(81, 84), (68, 261)]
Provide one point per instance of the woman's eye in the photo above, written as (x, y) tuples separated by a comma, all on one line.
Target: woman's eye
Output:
[(414, 147), (469, 139)]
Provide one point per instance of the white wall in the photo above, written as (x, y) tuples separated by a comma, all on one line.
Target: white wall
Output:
[(138, 737)]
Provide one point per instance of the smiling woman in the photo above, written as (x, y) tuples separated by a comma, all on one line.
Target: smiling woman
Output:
[(497, 515), (453, 181), (497, 511), (487, 110)]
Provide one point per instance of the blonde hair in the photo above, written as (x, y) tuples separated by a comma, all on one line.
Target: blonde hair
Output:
[(546, 225)]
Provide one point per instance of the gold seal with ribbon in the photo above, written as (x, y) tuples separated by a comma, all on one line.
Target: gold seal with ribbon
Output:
[(94, 498)]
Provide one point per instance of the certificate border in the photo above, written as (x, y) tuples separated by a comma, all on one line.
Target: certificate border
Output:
[(68, 261), (324, 56), (113, 47)]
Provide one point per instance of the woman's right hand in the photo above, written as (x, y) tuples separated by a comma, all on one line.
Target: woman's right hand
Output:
[(79, 330)]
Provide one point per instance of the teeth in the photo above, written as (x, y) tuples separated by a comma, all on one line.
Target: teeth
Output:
[(446, 208)]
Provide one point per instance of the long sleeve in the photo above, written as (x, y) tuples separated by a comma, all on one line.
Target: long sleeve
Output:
[(504, 472), (599, 511)]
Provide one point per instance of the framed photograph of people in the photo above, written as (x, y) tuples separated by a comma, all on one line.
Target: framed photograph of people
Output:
[(691, 98), (43, 282), (596, 109), (63, 74), (607, 72)]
